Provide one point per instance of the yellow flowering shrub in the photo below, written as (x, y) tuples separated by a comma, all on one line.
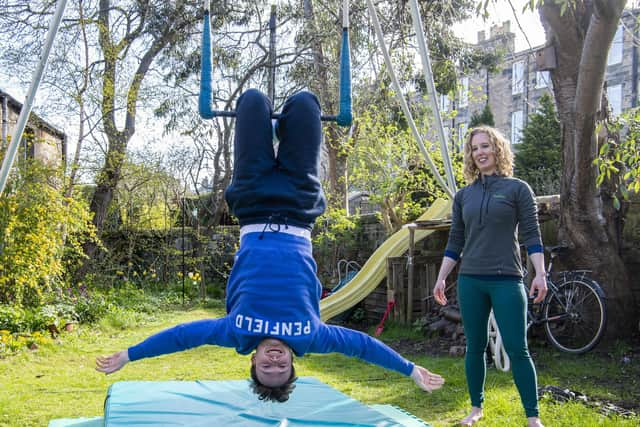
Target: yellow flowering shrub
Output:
[(41, 234)]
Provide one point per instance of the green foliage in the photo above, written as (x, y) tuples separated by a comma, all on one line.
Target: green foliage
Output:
[(483, 118), (618, 162), (538, 158), (12, 318), (41, 235), (384, 160), (335, 237), (153, 260), (445, 76), (13, 342), (122, 308), (145, 197)]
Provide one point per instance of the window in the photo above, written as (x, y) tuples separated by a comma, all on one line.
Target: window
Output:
[(516, 126), (615, 53), (444, 103), (542, 79), (517, 78), (464, 92), (614, 94), (462, 134)]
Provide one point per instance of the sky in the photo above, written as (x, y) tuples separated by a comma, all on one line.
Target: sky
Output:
[(499, 12)]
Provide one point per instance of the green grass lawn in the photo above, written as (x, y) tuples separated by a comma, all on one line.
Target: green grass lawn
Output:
[(59, 380)]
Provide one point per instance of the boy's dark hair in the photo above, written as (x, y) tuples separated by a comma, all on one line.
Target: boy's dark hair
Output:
[(273, 394)]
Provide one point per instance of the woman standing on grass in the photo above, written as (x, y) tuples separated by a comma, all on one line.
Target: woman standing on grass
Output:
[(488, 215)]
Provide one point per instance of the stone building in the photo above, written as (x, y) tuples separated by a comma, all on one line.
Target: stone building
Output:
[(513, 92), (41, 140)]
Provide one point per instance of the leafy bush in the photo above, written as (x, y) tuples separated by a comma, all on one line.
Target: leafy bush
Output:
[(27, 320), (12, 318), (123, 319), (11, 343), (92, 308), (386, 162), (335, 238), (41, 235), (618, 159)]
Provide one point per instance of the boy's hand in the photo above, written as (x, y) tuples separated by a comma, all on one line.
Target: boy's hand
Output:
[(113, 363), (426, 380)]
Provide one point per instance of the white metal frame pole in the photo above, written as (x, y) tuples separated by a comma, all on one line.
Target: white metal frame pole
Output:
[(28, 103), (431, 89), (403, 102)]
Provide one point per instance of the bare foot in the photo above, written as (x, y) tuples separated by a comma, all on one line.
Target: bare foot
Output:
[(534, 422), (475, 416)]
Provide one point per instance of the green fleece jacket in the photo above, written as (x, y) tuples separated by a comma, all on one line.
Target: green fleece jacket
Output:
[(488, 215)]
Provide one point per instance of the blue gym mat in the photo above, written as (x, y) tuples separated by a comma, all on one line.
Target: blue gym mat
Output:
[(232, 403)]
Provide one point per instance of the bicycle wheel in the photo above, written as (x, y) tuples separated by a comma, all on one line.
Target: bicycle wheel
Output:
[(575, 315)]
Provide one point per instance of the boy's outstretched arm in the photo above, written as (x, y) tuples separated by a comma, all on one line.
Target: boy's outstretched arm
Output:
[(113, 363), (357, 344), (425, 379), (179, 338)]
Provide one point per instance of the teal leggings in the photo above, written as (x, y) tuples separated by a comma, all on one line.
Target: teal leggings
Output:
[(476, 296)]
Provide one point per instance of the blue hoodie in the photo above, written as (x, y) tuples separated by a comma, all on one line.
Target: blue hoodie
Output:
[(267, 302)]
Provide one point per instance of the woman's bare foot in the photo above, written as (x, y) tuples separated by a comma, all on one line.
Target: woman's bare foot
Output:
[(534, 422), (475, 416)]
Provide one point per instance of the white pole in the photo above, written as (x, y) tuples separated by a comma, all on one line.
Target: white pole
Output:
[(28, 103), (345, 14), (431, 89), (403, 102)]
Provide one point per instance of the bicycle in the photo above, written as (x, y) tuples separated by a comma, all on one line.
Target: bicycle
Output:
[(573, 313)]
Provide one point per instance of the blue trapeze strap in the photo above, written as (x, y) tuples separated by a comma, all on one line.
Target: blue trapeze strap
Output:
[(205, 98), (344, 116)]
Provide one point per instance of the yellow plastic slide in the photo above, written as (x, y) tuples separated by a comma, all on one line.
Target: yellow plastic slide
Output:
[(375, 269)]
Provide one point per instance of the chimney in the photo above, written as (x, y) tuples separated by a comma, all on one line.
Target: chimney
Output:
[(481, 36), (493, 32)]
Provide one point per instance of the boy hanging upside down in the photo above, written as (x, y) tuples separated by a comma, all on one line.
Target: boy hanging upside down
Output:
[(273, 293)]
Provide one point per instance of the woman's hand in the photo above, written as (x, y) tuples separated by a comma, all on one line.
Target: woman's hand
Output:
[(426, 380), (538, 288), (113, 363), (438, 292), (441, 285)]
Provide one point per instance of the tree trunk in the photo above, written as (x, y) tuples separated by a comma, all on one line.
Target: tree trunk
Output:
[(588, 224), (113, 51)]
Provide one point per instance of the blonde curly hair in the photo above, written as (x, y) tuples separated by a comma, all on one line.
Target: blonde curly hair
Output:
[(501, 151)]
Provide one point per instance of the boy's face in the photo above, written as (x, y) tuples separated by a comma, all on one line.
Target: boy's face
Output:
[(273, 360)]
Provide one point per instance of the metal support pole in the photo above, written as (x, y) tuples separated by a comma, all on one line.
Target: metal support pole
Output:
[(410, 267), (184, 268), (5, 121), (403, 102), (428, 77), (272, 55)]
